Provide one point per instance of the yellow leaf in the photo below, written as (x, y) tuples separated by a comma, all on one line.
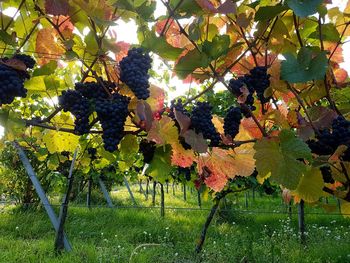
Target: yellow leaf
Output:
[(218, 123), (310, 186), (163, 131), (180, 156), (345, 208), (57, 141)]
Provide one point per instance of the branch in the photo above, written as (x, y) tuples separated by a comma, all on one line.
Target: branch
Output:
[(297, 30)]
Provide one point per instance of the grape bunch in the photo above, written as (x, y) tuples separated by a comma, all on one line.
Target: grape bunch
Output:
[(79, 106), (186, 172), (27, 60), (258, 80), (327, 174), (232, 121), (328, 140), (12, 80), (235, 86), (147, 148), (95, 90), (11, 85), (112, 114), (134, 72), (92, 152), (201, 122), (179, 107)]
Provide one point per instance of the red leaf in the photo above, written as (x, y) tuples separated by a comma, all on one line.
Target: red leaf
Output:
[(123, 48), (183, 120), (181, 157), (207, 6), (15, 64), (57, 7), (144, 112), (227, 8)]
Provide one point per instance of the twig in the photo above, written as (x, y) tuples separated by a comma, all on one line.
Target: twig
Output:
[(297, 30)]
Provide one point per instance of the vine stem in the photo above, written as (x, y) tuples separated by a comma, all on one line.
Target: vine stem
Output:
[(301, 103)]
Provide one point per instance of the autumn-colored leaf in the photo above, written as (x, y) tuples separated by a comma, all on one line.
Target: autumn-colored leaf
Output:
[(180, 156), (15, 64), (197, 141), (57, 7), (156, 99), (163, 131), (47, 46), (144, 112), (250, 126), (122, 48)]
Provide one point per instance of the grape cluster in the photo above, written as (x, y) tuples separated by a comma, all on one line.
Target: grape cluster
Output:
[(201, 122), (92, 152), (186, 172), (179, 107), (95, 90), (11, 85), (147, 148), (232, 121), (74, 102), (327, 174), (328, 140), (27, 60), (112, 114), (235, 86), (256, 81), (134, 72)]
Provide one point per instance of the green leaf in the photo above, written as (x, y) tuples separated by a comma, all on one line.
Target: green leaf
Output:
[(278, 158), (47, 69), (304, 8), (217, 47), (7, 38), (268, 12), (160, 166), (188, 63), (329, 33), (160, 46), (310, 187), (309, 65), (128, 146)]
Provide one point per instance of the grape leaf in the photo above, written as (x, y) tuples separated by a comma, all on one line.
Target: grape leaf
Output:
[(304, 8), (57, 7), (310, 187), (217, 47), (197, 141), (282, 153), (163, 131), (47, 46), (183, 120), (227, 8), (188, 63), (57, 141), (144, 113), (180, 156), (128, 146), (160, 166), (156, 98), (268, 12), (345, 208), (307, 66)]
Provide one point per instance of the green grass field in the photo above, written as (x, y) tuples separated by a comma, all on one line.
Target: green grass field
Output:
[(141, 235)]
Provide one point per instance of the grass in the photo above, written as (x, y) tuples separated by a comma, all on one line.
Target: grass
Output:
[(141, 235)]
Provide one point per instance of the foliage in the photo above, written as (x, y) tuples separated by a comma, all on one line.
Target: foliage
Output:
[(284, 65)]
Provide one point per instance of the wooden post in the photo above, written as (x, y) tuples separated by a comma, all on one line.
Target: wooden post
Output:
[(184, 190), (173, 188), (59, 242), (167, 187), (162, 205), (301, 221), (88, 197), (50, 212), (147, 189), (199, 199), (246, 199), (154, 193)]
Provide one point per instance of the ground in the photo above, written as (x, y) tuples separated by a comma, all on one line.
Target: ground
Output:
[(129, 234)]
